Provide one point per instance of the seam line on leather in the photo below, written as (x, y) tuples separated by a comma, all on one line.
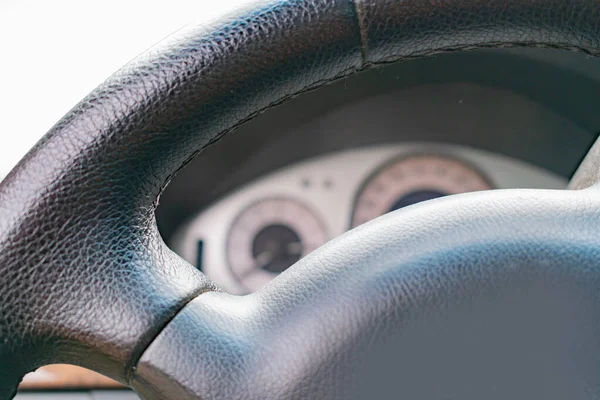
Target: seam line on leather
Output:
[(137, 354), (362, 29), (220, 135)]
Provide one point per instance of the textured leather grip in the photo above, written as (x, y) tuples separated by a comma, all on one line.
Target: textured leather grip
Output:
[(84, 275)]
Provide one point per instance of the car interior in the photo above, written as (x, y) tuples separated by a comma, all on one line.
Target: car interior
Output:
[(318, 200)]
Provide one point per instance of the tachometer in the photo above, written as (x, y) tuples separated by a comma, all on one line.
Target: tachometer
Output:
[(270, 236), (414, 179)]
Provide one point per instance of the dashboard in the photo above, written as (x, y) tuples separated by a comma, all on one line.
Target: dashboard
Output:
[(311, 169), (245, 239)]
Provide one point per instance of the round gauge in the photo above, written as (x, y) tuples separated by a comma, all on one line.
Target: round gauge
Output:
[(412, 180), (270, 236)]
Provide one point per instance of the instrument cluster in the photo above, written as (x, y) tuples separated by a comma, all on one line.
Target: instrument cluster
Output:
[(246, 239)]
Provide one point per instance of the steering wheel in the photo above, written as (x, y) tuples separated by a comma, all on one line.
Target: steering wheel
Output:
[(478, 296)]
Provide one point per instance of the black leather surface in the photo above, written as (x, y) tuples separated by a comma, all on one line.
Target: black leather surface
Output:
[(395, 29), (85, 278), (482, 296)]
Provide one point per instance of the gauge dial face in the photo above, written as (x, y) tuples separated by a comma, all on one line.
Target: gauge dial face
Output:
[(412, 180), (270, 236)]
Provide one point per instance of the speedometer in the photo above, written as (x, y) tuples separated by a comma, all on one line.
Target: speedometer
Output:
[(270, 236), (414, 179)]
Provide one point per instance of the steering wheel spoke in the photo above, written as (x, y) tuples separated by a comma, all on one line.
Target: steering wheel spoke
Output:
[(431, 293)]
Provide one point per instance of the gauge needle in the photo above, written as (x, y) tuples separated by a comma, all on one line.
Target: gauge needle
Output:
[(265, 258), (294, 248), (273, 252), (262, 260)]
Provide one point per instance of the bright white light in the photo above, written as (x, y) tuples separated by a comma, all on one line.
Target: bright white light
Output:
[(55, 52)]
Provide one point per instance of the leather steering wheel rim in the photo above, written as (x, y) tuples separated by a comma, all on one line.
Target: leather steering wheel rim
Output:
[(423, 296)]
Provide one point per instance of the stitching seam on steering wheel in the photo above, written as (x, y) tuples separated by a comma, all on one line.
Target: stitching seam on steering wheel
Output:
[(362, 29), (484, 46), (220, 135)]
